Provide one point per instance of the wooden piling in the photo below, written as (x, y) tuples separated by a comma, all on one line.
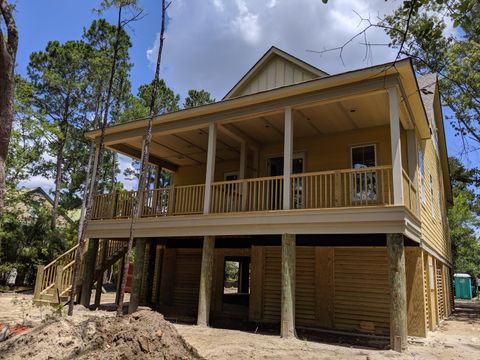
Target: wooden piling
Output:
[(205, 292), (288, 286), (88, 272), (398, 292), (137, 275)]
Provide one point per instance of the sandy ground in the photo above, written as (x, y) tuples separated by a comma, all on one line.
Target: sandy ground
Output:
[(456, 338), (16, 308)]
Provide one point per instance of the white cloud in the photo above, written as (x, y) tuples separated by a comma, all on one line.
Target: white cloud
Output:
[(38, 181), (211, 44)]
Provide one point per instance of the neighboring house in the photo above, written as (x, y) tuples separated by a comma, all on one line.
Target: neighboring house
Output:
[(39, 197), (329, 192)]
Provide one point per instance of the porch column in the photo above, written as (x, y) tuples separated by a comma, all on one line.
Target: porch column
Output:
[(398, 292), (210, 171), (137, 275), (287, 158), (395, 146), (287, 328), (89, 272), (206, 277)]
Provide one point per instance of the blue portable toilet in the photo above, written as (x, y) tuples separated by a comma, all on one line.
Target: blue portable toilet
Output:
[(463, 286)]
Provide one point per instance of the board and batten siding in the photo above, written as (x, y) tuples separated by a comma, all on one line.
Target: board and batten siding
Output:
[(276, 73), (342, 288), (181, 279)]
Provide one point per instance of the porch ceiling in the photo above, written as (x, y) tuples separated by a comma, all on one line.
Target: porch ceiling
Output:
[(190, 147)]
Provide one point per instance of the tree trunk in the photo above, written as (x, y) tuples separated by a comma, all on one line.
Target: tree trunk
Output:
[(138, 203), (8, 52), (58, 182), (97, 166)]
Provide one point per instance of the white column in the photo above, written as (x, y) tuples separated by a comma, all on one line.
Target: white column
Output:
[(396, 146), (210, 173), (243, 160), (287, 158)]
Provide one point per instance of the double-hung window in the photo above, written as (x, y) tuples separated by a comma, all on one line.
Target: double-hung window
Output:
[(364, 182)]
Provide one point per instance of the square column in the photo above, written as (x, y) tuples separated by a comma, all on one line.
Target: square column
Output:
[(398, 292), (206, 279), (210, 173), (396, 146), (287, 158), (287, 326)]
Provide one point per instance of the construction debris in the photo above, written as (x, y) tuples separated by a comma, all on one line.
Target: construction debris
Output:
[(94, 335)]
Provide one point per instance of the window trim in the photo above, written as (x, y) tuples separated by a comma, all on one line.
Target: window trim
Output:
[(362, 146), (229, 173)]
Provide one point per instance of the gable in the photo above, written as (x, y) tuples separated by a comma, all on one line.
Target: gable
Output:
[(275, 69)]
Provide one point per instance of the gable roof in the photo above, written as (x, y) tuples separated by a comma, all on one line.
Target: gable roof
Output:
[(304, 72)]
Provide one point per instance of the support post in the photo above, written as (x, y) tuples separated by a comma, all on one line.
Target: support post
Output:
[(98, 290), (288, 286), (205, 292), (119, 279), (210, 173), (398, 292), (58, 283), (396, 146), (137, 275), (287, 158), (38, 282), (89, 272)]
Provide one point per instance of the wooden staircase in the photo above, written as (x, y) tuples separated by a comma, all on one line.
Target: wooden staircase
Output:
[(54, 280)]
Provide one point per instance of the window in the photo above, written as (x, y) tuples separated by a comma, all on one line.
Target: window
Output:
[(363, 156), (364, 183), (230, 176), (422, 173)]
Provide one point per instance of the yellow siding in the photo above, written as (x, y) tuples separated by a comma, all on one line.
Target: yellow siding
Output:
[(277, 72), (433, 212), (325, 152)]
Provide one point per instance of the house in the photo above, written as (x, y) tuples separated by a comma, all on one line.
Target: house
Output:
[(328, 192)]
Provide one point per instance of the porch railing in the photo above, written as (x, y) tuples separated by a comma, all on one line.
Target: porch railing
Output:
[(371, 186)]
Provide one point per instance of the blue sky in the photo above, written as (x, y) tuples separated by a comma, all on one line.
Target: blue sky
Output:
[(210, 44)]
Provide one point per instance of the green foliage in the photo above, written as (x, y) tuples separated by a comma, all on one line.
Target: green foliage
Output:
[(27, 238), (166, 100), (197, 98), (455, 57), (464, 218)]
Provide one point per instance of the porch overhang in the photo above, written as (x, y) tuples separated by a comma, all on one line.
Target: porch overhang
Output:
[(331, 88)]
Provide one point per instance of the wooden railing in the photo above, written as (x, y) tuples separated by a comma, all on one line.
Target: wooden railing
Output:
[(259, 194), (188, 199), (410, 194), (54, 280), (372, 186), (343, 188)]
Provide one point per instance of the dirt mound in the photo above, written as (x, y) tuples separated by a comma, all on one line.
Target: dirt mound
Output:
[(100, 335)]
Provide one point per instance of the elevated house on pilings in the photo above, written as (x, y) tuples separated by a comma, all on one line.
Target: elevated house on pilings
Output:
[(329, 193)]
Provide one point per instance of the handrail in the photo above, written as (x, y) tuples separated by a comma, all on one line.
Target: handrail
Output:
[(61, 256)]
